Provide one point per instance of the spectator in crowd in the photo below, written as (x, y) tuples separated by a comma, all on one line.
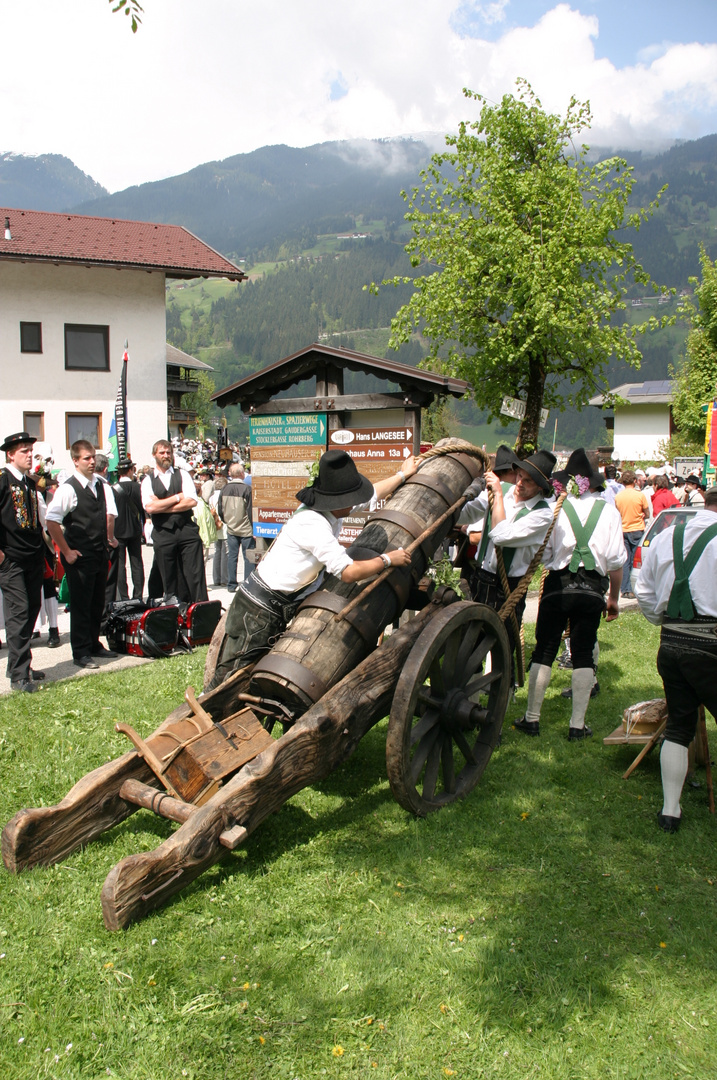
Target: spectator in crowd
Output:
[(611, 484), (219, 562), (234, 509), (129, 529), (663, 497), (634, 511), (693, 492), (86, 507), (169, 497), (22, 558), (677, 589)]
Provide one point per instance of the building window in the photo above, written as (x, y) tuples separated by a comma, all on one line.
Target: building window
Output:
[(31, 337), (87, 348), (34, 424), (83, 426)]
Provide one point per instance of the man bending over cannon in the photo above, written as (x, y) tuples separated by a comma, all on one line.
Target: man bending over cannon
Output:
[(307, 546)]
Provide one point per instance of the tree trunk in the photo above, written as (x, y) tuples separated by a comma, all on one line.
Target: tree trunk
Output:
[(529, 434)]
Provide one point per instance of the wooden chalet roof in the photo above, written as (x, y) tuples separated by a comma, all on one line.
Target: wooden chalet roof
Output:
[(255, 390), (177, 358), (655, 392), (37, 235)]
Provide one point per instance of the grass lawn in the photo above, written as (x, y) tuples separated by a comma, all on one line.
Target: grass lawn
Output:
[(543, 928)]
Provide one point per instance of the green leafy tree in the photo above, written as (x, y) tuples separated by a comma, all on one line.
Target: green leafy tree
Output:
[(200, 400), (696, 375), (521, 241), (131, 8)]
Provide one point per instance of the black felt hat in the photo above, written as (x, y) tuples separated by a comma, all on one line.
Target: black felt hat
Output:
[(125, 463), (579, 465), (505, 459), (338, 485), (688, 479), (539, 466), (16, 439)]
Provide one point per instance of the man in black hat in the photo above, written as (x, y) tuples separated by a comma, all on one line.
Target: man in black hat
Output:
[(584, 557), (304, 550), (129, 527), (515, 526), (693, 492), (22, 558), (677, 589)]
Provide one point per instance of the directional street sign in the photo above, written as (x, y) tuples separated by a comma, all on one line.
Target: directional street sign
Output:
[(288, 429)]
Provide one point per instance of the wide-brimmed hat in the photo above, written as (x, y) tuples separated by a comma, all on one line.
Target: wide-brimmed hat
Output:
[(339, 484), (539, 467), (505, 459), (16, 439), (579, 465), (688, 479)]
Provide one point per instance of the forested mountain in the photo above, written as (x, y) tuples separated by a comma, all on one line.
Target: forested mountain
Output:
[(44, 182)]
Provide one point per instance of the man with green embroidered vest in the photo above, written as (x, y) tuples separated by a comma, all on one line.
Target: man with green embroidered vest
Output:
[(584, 557), (677, 589), (516, 524)]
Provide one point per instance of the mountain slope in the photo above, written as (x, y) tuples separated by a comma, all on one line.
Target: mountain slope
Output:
[(44, 182)]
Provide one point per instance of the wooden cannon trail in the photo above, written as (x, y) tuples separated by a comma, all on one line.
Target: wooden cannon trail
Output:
[(214, 767)]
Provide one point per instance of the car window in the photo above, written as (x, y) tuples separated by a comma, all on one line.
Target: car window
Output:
[(665, 520)]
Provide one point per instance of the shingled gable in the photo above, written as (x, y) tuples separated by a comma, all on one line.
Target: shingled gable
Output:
[(39, 236), (255, 390)]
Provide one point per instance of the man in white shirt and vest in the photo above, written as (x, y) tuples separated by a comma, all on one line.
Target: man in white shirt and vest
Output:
[(85, 506), (516, 525), (584, 558), (677, 589), (169, 496)]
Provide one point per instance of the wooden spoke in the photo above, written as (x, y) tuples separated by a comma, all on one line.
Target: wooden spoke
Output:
[(440, 741)]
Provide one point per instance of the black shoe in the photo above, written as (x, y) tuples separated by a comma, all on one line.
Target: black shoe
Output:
[(26, 685), (36, 676), (565, 663), (100, 650), (35, 635), (667, 823), (85, 662), (53, 642), (568, 691), (528, 727), (576, 733)]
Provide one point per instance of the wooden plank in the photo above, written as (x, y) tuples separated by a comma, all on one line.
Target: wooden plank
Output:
[(340, 403), (283, 453), (275, 492), (319, 742)]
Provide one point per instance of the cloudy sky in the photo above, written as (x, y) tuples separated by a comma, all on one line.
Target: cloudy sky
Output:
[(205, 79)]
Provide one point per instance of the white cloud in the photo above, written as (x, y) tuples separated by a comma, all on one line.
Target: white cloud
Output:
[(202, 82)]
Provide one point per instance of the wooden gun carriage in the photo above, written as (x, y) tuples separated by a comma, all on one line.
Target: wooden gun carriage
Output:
[(214, 766)]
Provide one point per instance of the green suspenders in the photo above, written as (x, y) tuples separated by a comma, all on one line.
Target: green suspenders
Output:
[(508, 553), (583, 533), (680, 605)]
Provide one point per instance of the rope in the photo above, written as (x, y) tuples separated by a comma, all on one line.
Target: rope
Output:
[(522, 587), (456, 446), (517, 637)]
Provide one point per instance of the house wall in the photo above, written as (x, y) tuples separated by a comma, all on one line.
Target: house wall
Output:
[(638, 430), (131, 303)]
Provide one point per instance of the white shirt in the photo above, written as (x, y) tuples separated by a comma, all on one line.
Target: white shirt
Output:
[(606, 542), (188, 489), (306, 545), (41, 507), (657, 576), (64, 500), (611, 489), (525, 535)]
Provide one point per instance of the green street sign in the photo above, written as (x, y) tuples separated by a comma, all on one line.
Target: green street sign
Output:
[(288, 429)]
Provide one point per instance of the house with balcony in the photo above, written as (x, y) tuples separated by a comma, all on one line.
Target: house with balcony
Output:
[(182, 370), (73, 289)]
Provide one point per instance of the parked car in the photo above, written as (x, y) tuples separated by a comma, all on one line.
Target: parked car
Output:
[(666, 519)]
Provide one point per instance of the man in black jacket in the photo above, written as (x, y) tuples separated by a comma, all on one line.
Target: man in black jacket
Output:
[(129, 526), (22, 558)]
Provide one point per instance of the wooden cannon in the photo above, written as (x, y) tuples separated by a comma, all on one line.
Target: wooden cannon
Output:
[(214, 766)]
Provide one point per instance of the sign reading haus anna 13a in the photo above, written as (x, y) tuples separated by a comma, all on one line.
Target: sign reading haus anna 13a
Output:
[(378, 453)]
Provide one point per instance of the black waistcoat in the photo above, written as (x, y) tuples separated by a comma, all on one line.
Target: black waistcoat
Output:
[(174, 521), (20, 530), (86, 525), (130, 517)]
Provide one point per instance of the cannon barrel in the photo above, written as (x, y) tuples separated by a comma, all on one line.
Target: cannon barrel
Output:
[(317, 651)]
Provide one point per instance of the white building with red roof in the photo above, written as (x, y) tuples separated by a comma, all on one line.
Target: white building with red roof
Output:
[(73, 289)]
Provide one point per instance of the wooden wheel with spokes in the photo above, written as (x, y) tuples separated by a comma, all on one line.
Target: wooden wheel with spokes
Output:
[(448, 710)]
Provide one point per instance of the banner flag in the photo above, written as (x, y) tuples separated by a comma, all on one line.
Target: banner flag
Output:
[(119, 433), (711, 447)]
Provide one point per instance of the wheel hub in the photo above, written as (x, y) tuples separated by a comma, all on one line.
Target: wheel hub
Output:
[(459, 713)]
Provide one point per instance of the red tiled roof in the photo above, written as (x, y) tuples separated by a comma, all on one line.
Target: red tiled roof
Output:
[(74, 238)]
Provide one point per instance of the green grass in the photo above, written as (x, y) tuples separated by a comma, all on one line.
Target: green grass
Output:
[(542, 928)]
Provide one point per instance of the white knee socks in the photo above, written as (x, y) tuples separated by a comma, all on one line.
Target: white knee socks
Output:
[(582, 684), (51, 609), (673, 765), (537, 687)]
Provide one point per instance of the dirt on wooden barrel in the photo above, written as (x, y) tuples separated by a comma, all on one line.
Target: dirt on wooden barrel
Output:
[(317, 650)]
